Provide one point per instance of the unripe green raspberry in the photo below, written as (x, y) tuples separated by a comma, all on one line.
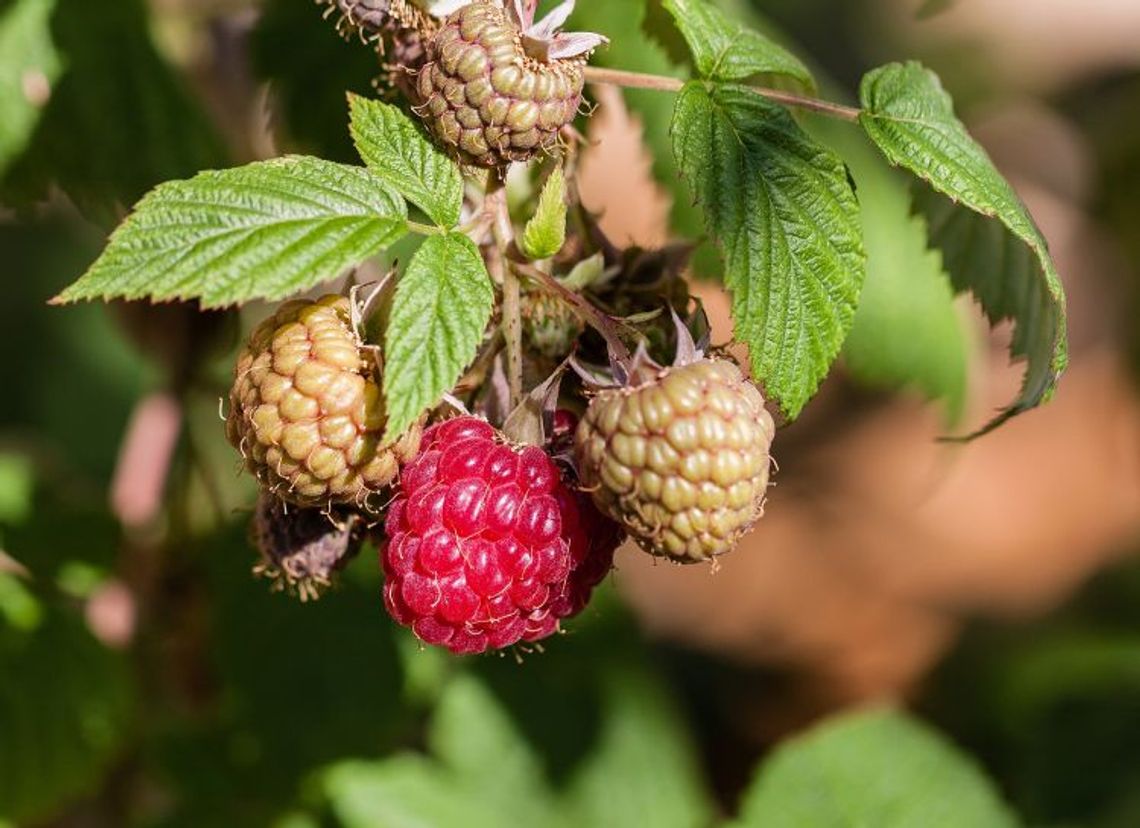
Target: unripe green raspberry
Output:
[(498, 88), (550, 326), (306, 412), (680, 460)]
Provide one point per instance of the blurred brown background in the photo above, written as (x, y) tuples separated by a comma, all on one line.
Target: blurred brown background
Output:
[(878, 539)]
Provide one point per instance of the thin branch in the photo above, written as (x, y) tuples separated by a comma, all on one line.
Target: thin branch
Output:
[(661, 83)]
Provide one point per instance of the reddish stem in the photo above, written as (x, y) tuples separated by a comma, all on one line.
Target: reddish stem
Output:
[(582, 306)]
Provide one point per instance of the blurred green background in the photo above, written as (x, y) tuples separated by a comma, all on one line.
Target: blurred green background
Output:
[(146, 678)]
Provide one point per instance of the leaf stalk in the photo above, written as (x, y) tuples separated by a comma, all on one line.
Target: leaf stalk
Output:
[(662, 83)]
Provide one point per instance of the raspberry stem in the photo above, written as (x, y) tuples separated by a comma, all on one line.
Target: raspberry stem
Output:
[(502, 231), (425, 229), (582, 306), (660, 83)]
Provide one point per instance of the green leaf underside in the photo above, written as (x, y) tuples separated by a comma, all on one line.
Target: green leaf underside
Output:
[(262, 231), (545, 233), (645, 743), (628, 24), (782, 209), (26, 53), (442, 305), (397, 151), (407, 791), (725, 50), (459, 786), (873, 768), (995, 251), (469, 724), (908, 330), (641, 740)]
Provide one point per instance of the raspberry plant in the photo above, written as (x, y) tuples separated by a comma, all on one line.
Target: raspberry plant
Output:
[(516, 313), (147, 679)]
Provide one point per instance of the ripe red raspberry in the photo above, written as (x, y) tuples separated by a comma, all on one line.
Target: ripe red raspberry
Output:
[(487, 545)]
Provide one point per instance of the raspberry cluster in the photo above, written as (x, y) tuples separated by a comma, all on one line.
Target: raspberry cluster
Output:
[(597, 416), (486, 543)]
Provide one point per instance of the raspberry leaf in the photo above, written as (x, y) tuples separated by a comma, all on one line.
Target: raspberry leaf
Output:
[(29, 65), (644, 742), (545, 233), (406, 789), (470, 723), (442, 305), (782, 209), (396, 149), (262, 231), (878, 767), (639, 32), (457, 785), (990, 244), (725, 50), (909, 331)]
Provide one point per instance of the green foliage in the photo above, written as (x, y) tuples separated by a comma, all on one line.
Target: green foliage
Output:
[(624, 22), (932, 8), (908, 332), (19, 608), (1053, 704), (307, 70), (469, 724), (79, 355), (397, 151), (404, 792), (725, 50), (782, 209), (486, 769), (118, 122), (265, 230), (64, 708), (484, 773), (879, 768), (16, 488), (443, 303), (642, 742), (545, 233), (995, 251), (324, 684), (27, 57)]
